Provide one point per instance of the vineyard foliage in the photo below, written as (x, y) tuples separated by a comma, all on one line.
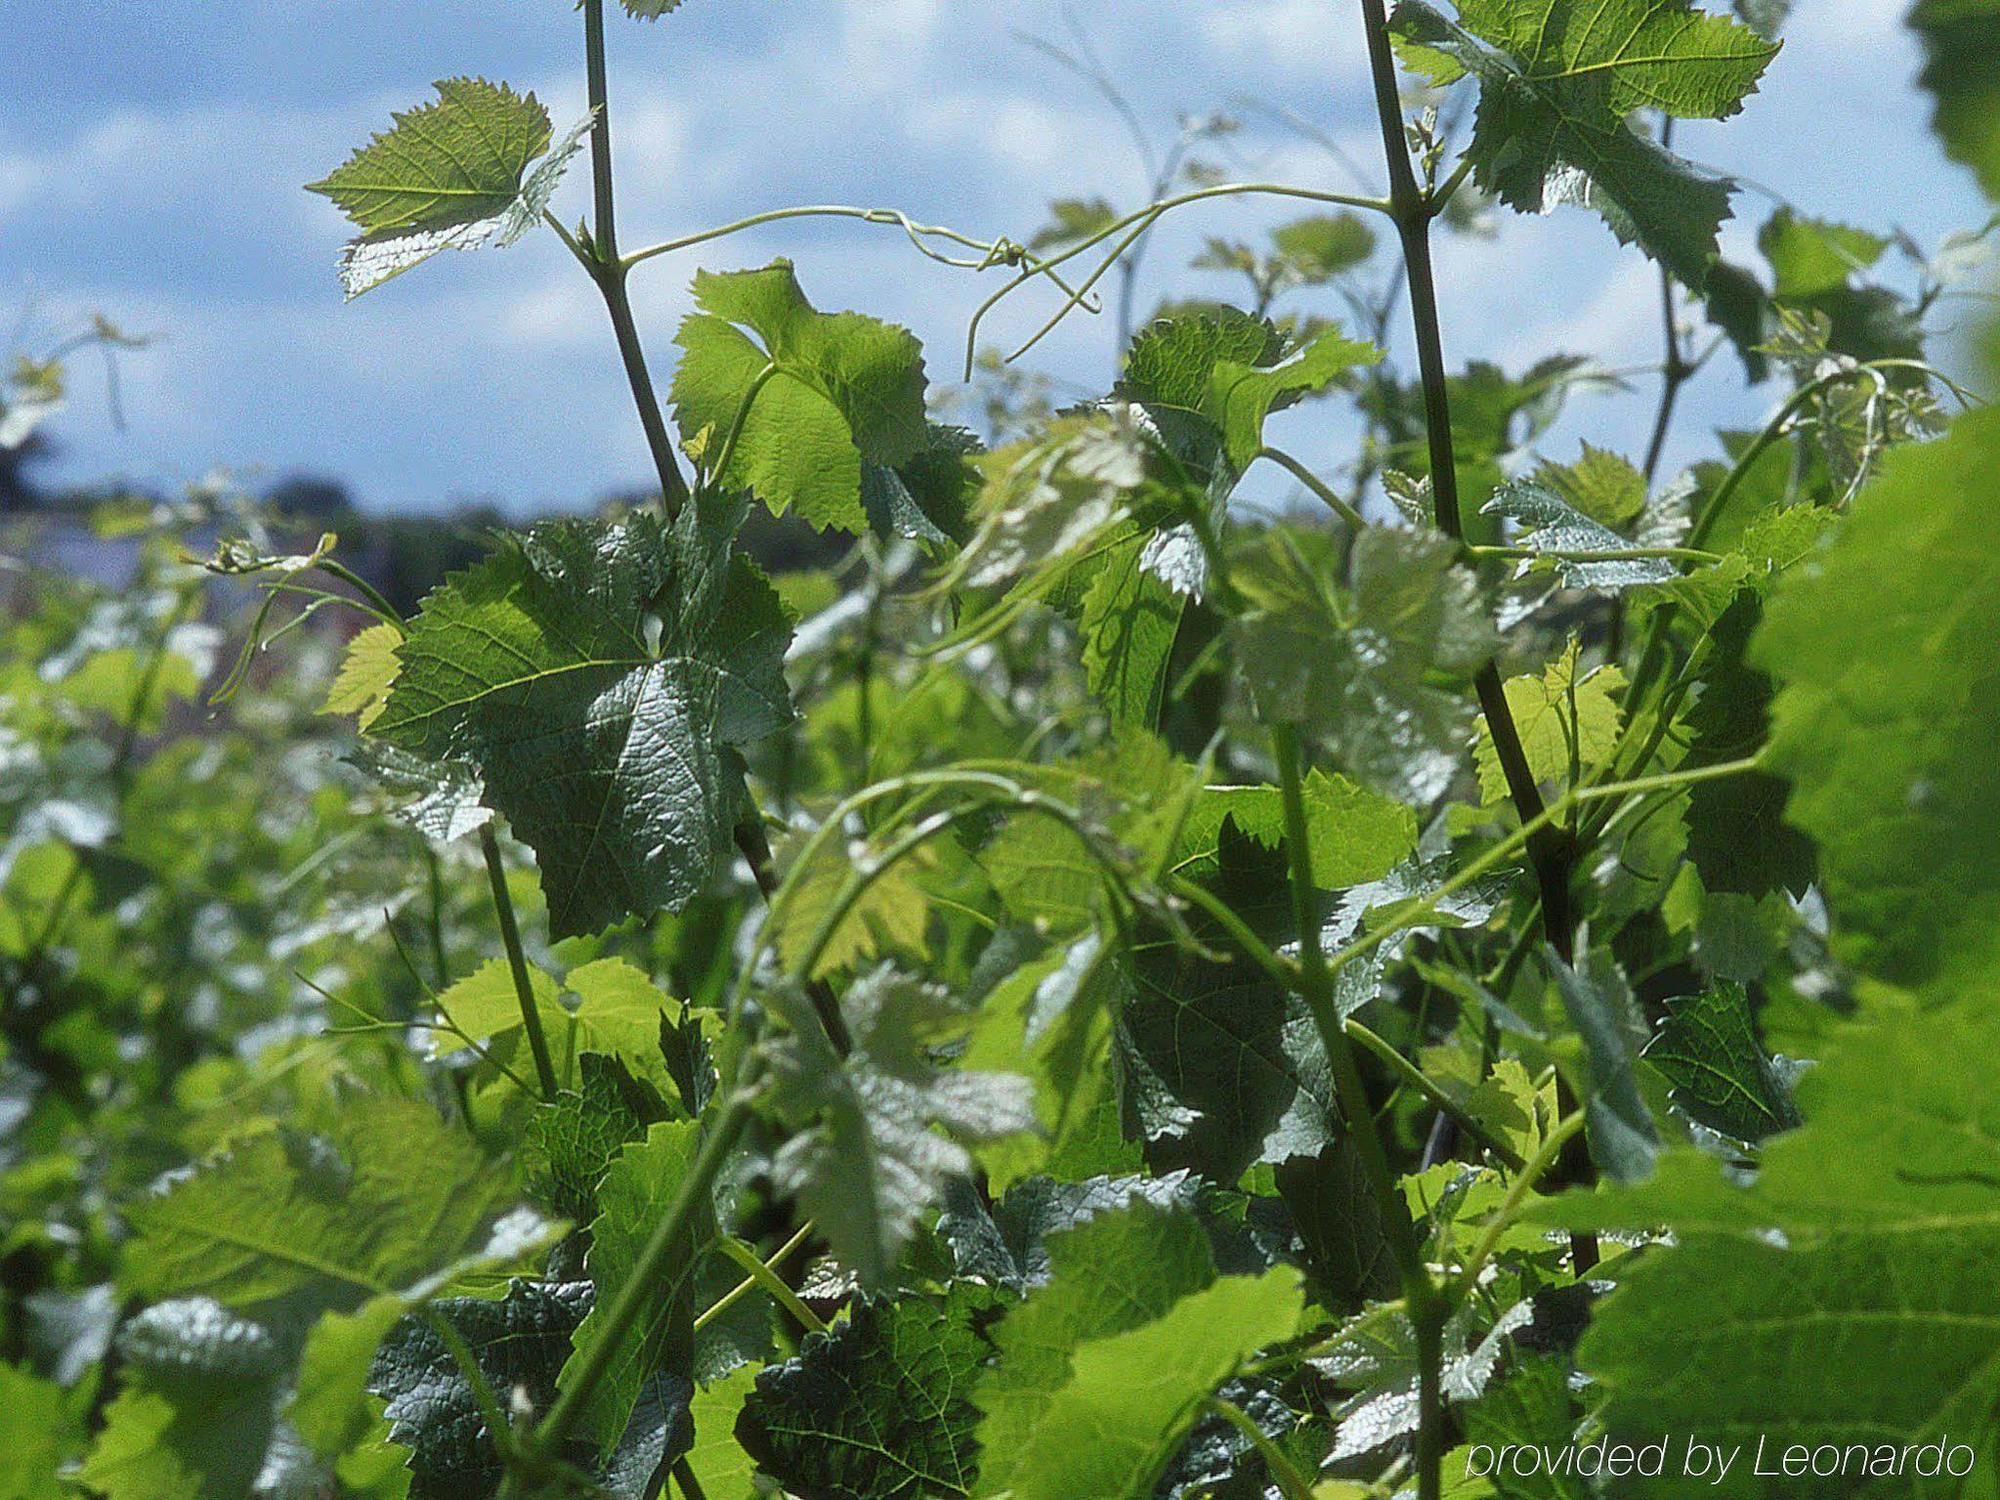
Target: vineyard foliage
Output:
[(1104, 992)]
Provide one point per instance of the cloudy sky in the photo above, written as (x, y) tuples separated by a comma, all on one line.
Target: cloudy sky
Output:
[(150, 162)]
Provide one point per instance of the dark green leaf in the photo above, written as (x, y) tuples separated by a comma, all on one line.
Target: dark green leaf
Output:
[(636, 656), (878, 1409), (1708, 1048), (1558, 80)]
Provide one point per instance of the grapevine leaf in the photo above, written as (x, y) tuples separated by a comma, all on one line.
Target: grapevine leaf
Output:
[(1129, 621), (1865, 1243), (1376, 1355), (1115, 1272), (1557, 82), (1008, 1243), (1127, 1399), (1604, 486), (440, 799), (638, 1188), (876, 1134), (1888, 710), (266, 1218), (38, 1433), (451, 175), (330, 1405), (1551, 524), (1708, 1048), (1737, 834), (1623, 1139), (1354, 835), (1556, 712), (1224, 1067), (1963, 74), (720, 1466), (518, 1342), (1531, 1408), (879, 1408), (1045, 501), (846, 391), (1319, 247), (1241, 395), (195, 1414), (367, 672), (637, 657), (1359, 666), (1810, 257)]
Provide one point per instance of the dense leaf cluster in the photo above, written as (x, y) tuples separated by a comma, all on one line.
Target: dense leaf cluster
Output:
[(1103, 994)]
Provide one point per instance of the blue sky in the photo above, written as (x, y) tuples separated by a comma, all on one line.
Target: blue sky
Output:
[(150, 163)]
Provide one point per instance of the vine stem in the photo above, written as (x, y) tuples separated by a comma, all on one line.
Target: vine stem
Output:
[(642, 1286), (610, 273), (1551, 850), (517, 961), (1420, 1294)]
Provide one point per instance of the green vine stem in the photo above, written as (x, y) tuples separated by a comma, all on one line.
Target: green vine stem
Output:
[(1426, 1311), (639, 1288), (762, 1276), (517, 961), (610, 273), (1551, 850)]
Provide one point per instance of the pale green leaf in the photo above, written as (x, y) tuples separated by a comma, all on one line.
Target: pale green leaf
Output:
[(847, 391)]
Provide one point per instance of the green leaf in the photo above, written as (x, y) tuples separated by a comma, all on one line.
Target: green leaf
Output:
[(638, 1188), (1558, 79), (878, 1408), (1963, 74), (518, 1342), (196, 1411), (1888, 710), (1550, 523), (1865, 1245), (571, 1139), (330, 1405), (1604, 486), (721, 1467), (1223, 1067), (891, 914), (1070, 220), (38, 1433), (1530, 1408), (1007, 1243), (1708, 1049), (1129, 621), (1361, 666), (1624, 1142), (847, 391), (650, 10), (1241, 395), (1354, 835), (1560, 717), (451, 175), (343, 1214), (1117, 1271), (1119, 1394), (1046, 500), (1810, 257), (876, 1134), (1319, 247), (1737, 834), (1130, 795), (635, 656), (367, 672)]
